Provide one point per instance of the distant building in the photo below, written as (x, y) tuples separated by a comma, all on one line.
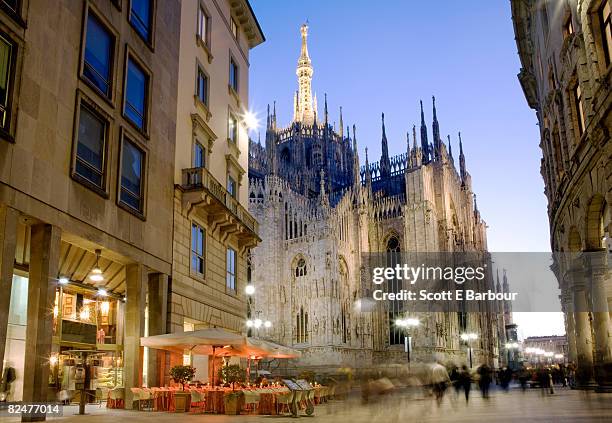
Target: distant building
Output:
[(565, 48), (556, 344), (319, 209)]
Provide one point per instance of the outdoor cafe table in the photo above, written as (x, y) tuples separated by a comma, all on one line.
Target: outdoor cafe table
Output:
[(267, 399)]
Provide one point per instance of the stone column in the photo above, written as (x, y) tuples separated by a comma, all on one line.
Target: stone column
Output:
[(158, 308), (44, 265), (135, 292), (8, 243), (567, 306), (584, 344), (599, 276)]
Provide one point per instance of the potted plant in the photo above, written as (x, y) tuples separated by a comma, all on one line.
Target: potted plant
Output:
[(182, 375), (232, 374)]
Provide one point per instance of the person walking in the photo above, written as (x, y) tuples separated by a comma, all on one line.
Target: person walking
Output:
[(439, 380), (465, 381), (484, 372)]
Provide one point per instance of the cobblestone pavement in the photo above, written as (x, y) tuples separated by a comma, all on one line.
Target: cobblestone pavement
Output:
[(530, 406)]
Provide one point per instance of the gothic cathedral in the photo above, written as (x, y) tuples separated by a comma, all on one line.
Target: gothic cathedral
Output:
[(320, 211)]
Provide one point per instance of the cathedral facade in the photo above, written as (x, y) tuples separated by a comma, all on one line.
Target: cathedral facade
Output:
[(321, 212)]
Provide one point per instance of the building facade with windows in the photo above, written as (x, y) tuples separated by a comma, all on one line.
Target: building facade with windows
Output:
[(565, 50), (213, 229), (321, 212), (89, 92)]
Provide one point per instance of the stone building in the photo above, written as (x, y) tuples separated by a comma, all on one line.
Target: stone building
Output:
[(212, 228), (88, 111), (320, 210), (556, 344), (565, 50), (123, 194)]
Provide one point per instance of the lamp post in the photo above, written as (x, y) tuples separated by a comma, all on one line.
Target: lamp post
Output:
[(258, 323), (468, 338), (510, 346), (406, 324)]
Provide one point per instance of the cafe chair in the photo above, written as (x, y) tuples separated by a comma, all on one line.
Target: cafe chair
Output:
[(198, 401)]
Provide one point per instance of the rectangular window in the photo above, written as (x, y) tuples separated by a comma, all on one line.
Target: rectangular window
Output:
[(233, 74), (202, 86), (234, 28), (232, 129), (606, 30), (6, 71), (231, 186), (137, 84), (198, 155), (579, 108), (197, 249), (140, 17), (91, 147), (203, 23), (132, 176), (230, 281), (98, 61)]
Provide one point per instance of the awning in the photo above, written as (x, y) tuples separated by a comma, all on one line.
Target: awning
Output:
[(269, 349), (219, 342), (212, 341)]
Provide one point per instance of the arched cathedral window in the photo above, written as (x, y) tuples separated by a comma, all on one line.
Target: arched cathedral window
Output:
[(344, 312), (300, 268), (394, 285), (301, 332)]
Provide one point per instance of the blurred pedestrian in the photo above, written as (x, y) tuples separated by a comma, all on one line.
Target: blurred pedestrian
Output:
[(484, 373), (465, 381), (523, 377), (505, 377), (439, 380)]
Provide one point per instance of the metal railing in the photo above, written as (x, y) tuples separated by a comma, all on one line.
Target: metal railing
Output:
[(201, 178)]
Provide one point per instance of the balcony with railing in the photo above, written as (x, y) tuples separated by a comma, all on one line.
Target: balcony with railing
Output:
[(201, 189)]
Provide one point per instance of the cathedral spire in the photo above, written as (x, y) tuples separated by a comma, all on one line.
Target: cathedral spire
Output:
[(268, 118), (424, 142), (342, 126), (437, 141), (304, 71), (272, 119), (368, 175), (450, 150), (385, 164), (462, 171), (356, 175), (326, 116)]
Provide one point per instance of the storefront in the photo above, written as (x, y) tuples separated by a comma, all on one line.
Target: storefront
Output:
[(87, 334)]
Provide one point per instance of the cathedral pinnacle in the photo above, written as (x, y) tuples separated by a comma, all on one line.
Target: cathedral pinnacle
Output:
[(462, 171), (303, 102), (356, 175), (385, 164), (424, 142), (437, 140)]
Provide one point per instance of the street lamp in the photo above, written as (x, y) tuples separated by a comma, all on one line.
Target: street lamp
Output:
[(249, 289), (406, 324), (468, 338), (509, 347)]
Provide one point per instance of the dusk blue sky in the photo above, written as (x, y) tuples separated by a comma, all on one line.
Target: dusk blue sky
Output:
[(371, 58)]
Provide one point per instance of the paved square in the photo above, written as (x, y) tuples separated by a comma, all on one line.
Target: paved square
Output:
[(565, 405)]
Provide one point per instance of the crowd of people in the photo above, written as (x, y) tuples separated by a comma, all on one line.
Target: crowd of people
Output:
[(438, 379)]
